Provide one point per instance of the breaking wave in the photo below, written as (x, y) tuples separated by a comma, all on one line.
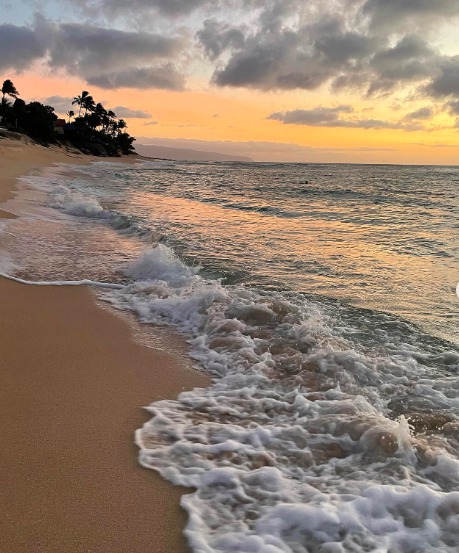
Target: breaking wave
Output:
[(326, 429), (308, 440)]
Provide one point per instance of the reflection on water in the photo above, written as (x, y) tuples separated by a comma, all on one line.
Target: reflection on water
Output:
[(380, 237), (328, 428), (353, 233)]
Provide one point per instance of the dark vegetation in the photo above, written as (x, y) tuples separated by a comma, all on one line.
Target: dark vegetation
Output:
[(93, 129)]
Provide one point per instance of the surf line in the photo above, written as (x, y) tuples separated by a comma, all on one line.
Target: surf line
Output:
[(84, 282)]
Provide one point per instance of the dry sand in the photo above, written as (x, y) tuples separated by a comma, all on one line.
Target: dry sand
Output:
[(72, 386)]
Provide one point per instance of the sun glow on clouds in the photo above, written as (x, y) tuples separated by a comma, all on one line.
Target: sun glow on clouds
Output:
[(354, 80)]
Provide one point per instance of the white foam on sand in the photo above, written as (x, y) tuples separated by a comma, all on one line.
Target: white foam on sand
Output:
[(84, 282), (296, 447)]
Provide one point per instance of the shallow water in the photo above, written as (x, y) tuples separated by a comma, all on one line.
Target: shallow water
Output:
[(325, 312)]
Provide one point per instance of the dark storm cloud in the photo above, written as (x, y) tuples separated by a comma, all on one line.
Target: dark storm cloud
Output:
[(297, 45), (169, 7), (19, 47), (87, 50), (109, 58), (292, 44), (411, 58), (279, 61), (165, 77), (446, 82), (216, 37), (331, 117), (324, 52), (274, 12), (395, 13), (141, 8), (340, 48), (371, 47)]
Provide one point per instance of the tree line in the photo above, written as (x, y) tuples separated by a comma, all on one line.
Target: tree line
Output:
[(94, 129)]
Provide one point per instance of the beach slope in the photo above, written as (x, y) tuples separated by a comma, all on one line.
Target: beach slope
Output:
[(73, 383)]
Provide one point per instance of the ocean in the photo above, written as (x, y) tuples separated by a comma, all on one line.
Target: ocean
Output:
[(321, 300)]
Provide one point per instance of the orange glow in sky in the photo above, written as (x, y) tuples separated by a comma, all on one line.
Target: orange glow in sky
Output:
[(296, 83)]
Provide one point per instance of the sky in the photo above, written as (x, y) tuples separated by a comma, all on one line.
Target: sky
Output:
[(360, 81)]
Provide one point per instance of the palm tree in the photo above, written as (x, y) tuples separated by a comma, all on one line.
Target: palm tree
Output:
[(80, 100), (94, 120), (100, 110), (9, 88), (70, 114), (5, 104), (108, 121), (121, 125), (5, 107), (89, 104)]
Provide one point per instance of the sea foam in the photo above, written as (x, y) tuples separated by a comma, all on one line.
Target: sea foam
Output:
[(326, 429), (294, 447)]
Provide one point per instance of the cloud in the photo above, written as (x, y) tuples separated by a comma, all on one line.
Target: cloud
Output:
[(318, 48), (343, 47), (86, 50), (278, 61), (331, 117), (151, 123), (169, 8), (372, 48), (109, 58), (291, 44), (446, 82), (122, 111), (410, 59), (216, 37), (19, 47), (393, 14), (165, 77), (61, 104), (453, 107), (318, 117), (434, 145), (422, 113)]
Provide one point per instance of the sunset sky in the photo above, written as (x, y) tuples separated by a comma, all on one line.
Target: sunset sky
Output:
[(364, 81)]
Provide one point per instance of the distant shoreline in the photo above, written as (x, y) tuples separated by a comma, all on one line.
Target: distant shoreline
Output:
[(186, 154)]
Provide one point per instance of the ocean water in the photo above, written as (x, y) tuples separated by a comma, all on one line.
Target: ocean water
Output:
[(319, 298)]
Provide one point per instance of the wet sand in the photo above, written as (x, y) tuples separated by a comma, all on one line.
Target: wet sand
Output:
[(73, 383)]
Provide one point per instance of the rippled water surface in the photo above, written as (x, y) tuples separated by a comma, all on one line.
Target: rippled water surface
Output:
[(321, 300), (382, 237)]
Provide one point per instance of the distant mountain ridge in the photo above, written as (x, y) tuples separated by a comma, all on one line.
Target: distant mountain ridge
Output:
[(183, 154)]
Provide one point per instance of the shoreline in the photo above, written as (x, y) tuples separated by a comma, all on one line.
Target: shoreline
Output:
[(74, 382)]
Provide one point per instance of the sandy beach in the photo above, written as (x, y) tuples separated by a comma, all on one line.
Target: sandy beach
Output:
[(73, 385)]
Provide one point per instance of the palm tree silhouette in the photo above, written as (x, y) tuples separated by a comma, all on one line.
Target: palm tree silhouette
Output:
[(9, 88), (70, 114), (89, 104), (120, 125), (80, 100)]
